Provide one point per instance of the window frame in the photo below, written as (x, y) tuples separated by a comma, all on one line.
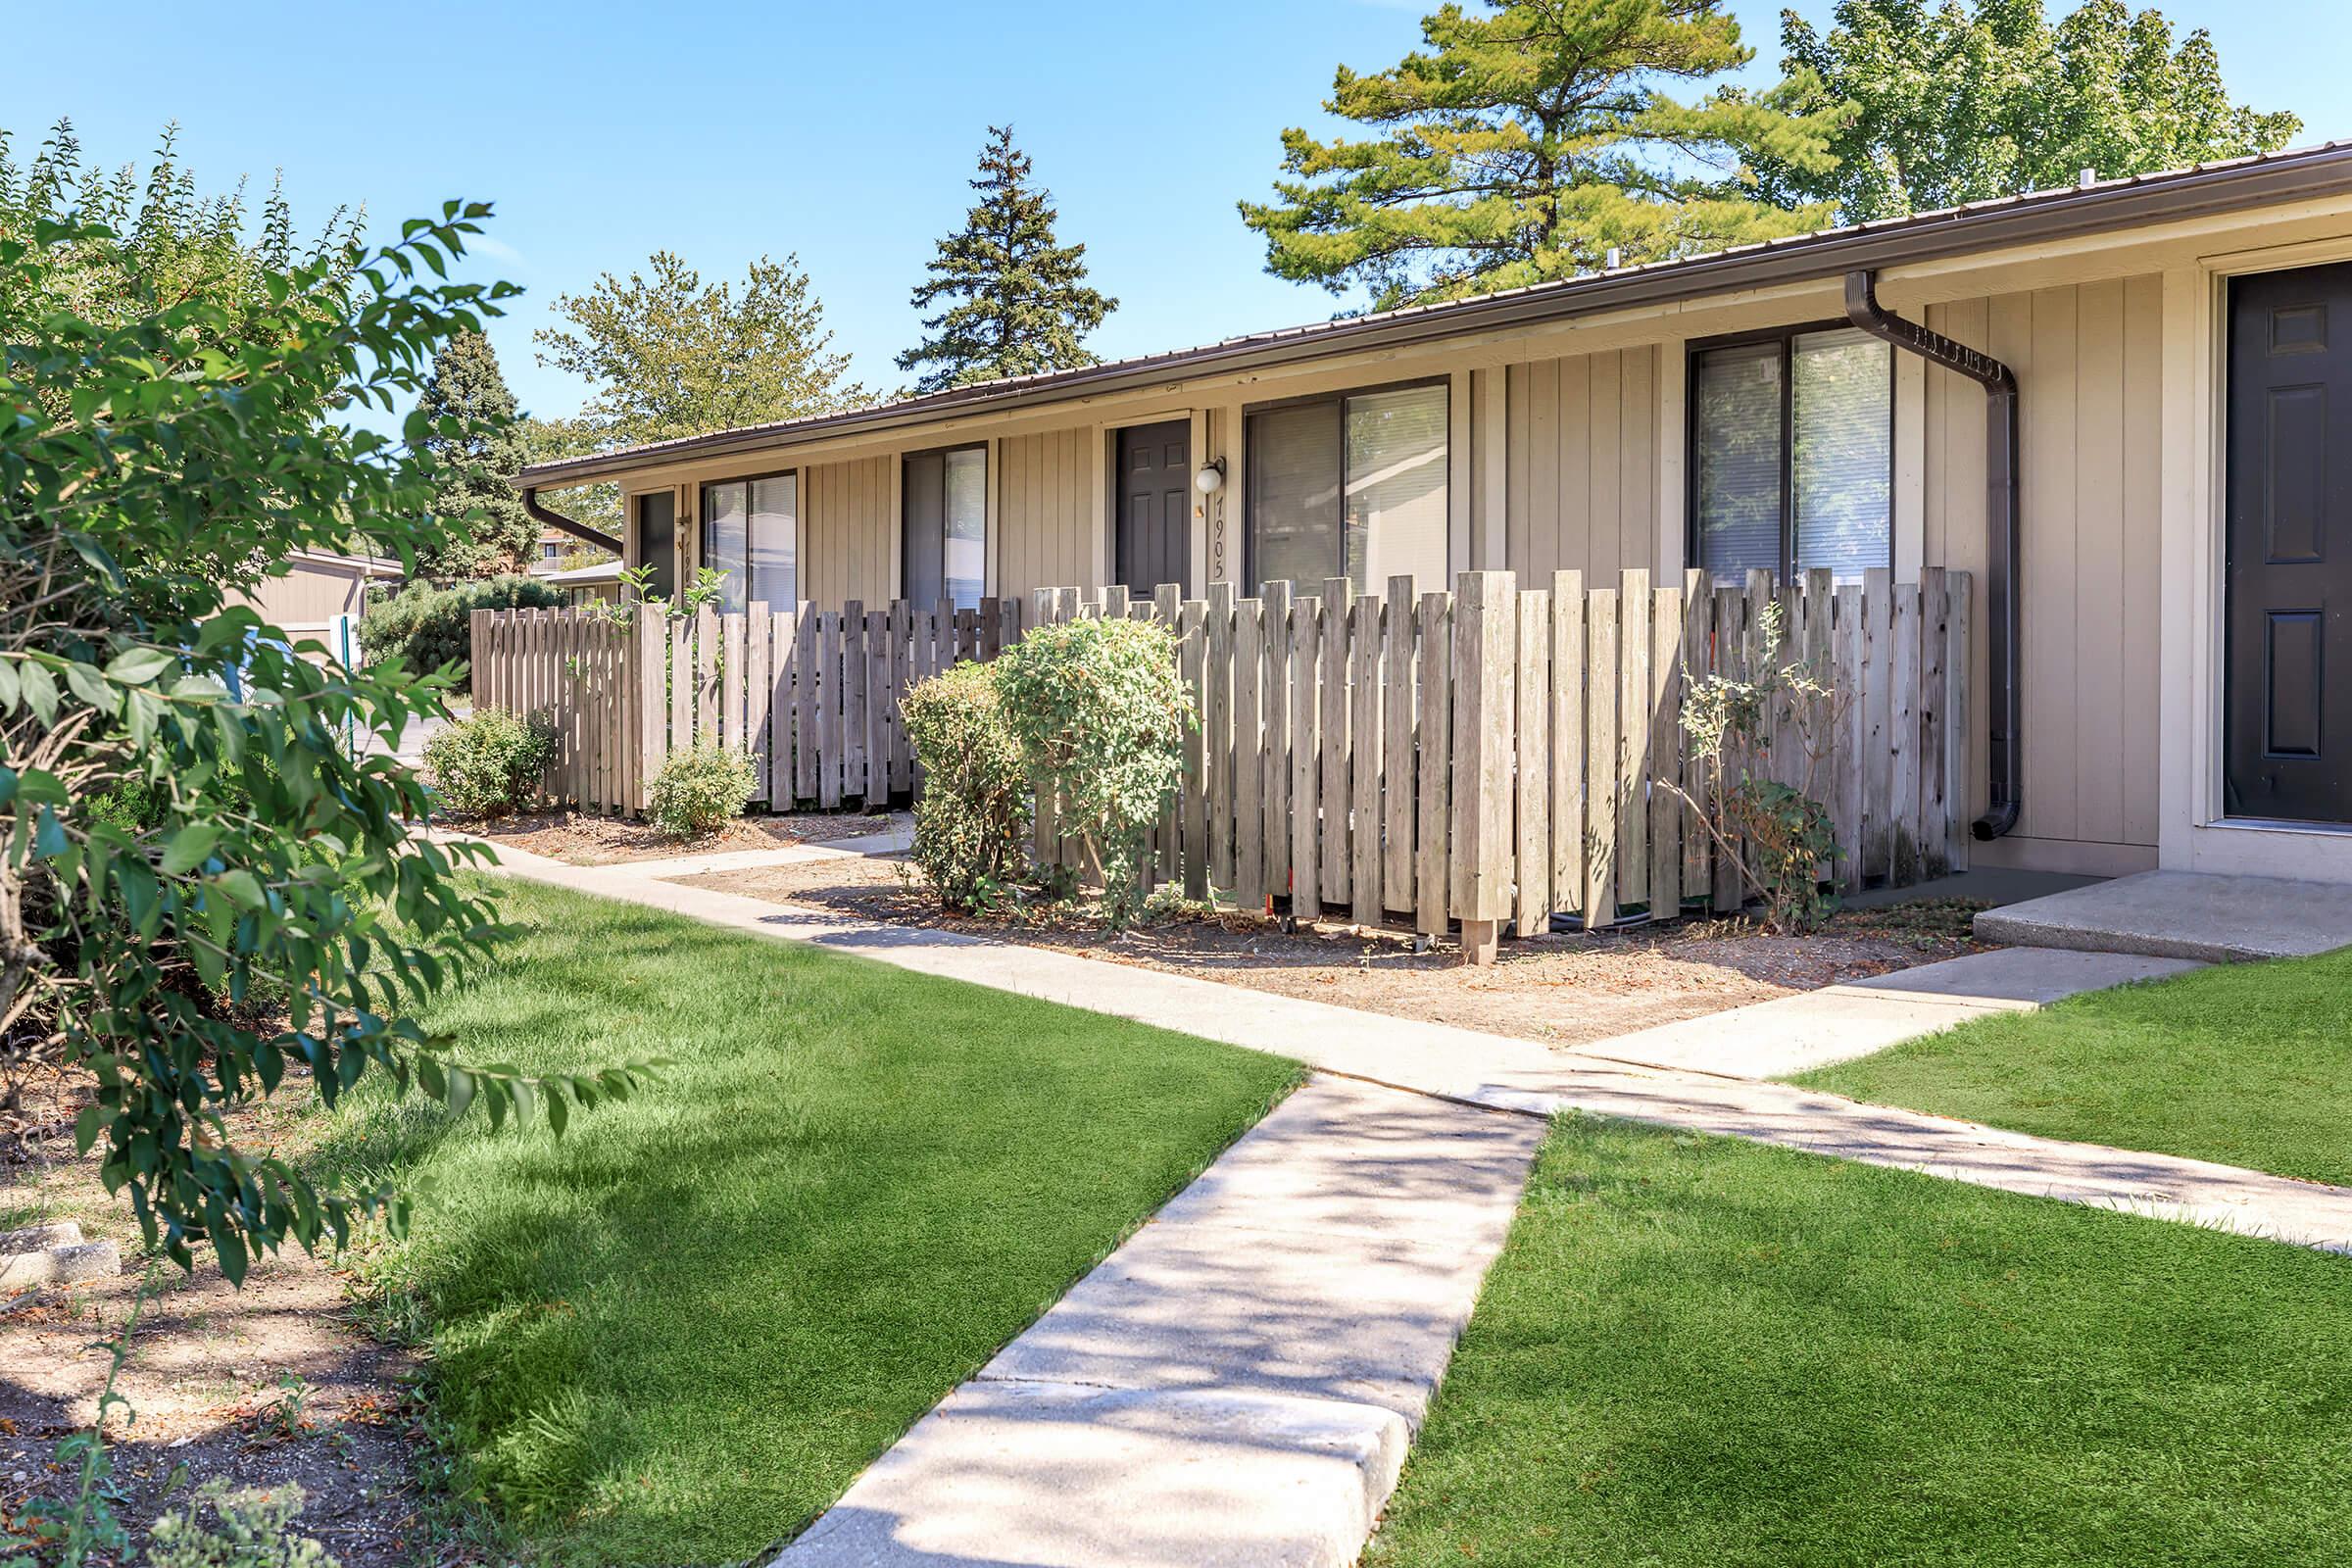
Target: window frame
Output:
[(701, 526), (1338, 398), (1697, 349), (987, 520)]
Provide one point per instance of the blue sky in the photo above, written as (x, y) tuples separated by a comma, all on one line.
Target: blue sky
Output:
[(842, 130)]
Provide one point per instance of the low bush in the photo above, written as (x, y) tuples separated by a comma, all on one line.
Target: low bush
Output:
[(426, 627), (971, 823), (699, 788), (490, 763), (255, 1529), (1099, 714)]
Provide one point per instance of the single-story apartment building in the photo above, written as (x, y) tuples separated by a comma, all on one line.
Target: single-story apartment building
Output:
[(316, 593), (2115, 405)]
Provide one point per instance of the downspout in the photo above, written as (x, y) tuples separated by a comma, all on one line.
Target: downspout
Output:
[(555, 520), (2001, 524)]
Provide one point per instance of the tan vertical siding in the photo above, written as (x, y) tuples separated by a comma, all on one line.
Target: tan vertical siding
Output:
[(311, 592), (1582, 465), (2087, 362), (1047, 513), (845, 532)]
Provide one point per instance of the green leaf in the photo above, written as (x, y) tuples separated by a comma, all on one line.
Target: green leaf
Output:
[(188, 847), (49, 840), (239, 884), (136, 666)]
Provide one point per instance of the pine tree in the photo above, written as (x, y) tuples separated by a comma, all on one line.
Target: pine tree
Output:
[(475, 461), (1949, 103), (1529, 141), (1019, 300)]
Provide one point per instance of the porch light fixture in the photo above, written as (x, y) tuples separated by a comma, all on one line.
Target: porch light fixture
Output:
[(1212, 477)]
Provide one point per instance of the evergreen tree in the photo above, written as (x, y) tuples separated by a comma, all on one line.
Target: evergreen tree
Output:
[(1529, 140), (1947, 104), (474, 462), (1019, 302)]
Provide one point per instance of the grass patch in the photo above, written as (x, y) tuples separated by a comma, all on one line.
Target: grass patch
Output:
[(2249, 1064), (677, 1333), (1705, 1352)]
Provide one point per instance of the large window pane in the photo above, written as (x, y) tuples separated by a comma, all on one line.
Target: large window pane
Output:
[(724, 514), (1737, 392), (1396, 506), (964, 547), (775, 541), (1294, 495), (657, 542), (943, 552), (1843, 452)]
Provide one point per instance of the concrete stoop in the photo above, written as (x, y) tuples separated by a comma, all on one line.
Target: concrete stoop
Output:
[(2182, 914)]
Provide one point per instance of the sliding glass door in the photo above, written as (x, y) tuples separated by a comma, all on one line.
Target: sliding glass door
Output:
[(752, 533), (1349, 486), (945, 542)]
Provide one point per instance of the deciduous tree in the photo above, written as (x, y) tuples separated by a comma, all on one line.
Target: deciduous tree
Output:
[(666, 354), (1946, 103), (1018, 300), (1526, 141)]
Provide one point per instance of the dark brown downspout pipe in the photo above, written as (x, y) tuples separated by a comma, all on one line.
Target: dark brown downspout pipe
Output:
[(2001, 524), (555, 520)]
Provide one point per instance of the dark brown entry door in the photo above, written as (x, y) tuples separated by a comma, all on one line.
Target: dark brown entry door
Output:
[(1155, 505), (2288, 711)]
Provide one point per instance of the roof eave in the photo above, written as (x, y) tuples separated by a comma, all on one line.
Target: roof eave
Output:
[(2230, 188)]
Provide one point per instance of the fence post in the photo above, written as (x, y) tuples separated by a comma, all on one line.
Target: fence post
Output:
[(1484, 645)]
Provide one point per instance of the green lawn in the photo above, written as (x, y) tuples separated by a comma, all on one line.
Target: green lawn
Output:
[(2249, 1064), (1710, 1353), (677, 1333)]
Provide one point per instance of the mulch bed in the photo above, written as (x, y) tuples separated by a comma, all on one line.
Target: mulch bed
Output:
[(1564, 989), (584, 840), (263, 1385)]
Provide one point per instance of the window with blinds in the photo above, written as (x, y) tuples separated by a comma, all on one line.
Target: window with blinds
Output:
[(1793, 441), (1350, 486), (944, 526), (752, 535)]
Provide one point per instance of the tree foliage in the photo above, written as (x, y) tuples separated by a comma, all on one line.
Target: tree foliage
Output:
[(669, 356), (160, 445), (1946, 103), (473, 491), (1529, 139), (1018, 301)]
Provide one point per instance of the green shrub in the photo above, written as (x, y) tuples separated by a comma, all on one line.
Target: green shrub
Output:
[(699, 788), (426, 627), (255, 1531), (1099, 714), (971, 821), (490, 763)]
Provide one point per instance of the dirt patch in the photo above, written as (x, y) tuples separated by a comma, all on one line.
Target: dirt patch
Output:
[(271, 1384), (1564, 989), (582, 839)]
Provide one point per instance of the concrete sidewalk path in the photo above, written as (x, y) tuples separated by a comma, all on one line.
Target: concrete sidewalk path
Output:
[(1236, 1385), (1524, 1076)]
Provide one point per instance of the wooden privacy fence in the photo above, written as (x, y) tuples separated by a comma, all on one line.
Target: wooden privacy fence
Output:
[(1494, 755), (811, 695), (1490, 757)]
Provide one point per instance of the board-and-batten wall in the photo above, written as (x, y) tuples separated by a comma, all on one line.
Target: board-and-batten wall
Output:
[(1582, 465), (1048, 514), (849, 534), (2088, 360)]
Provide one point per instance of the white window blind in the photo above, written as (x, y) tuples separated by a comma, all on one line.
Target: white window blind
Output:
[(1737, 440), (1396, 513), (1842, 453)]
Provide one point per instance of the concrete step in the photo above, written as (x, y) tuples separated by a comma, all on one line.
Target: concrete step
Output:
[(2182, 914)]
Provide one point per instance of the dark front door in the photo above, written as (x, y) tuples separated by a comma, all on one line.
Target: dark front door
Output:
[(1155, 505), (2287, 709)]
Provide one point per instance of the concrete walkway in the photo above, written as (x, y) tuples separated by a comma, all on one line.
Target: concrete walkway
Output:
[(1238, 1383), (2183, 914)]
